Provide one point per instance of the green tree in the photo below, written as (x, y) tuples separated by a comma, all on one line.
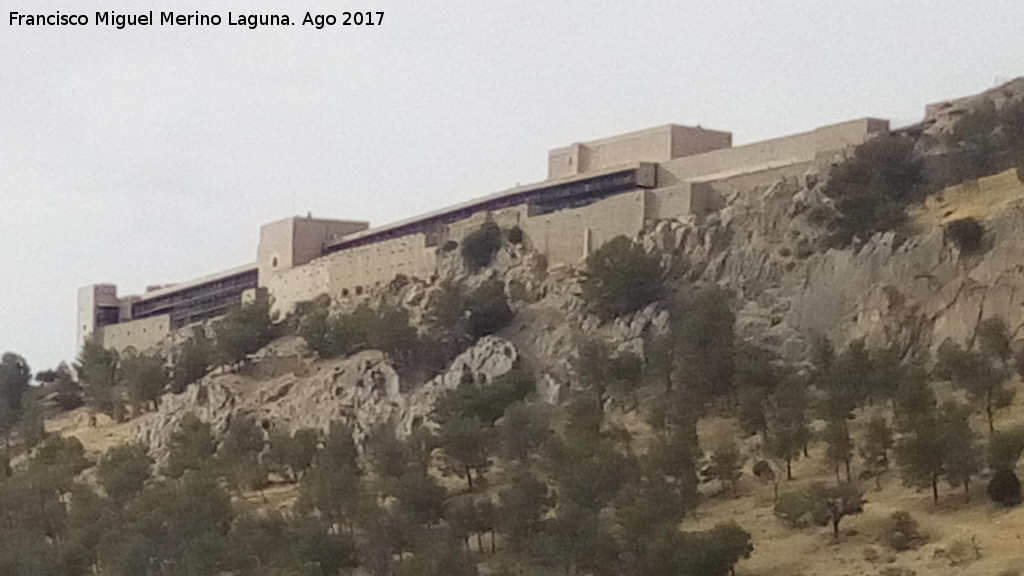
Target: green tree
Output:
[(838, 445), (821, 505), (703, 325), (32, 425), (193, 361), (727, 462), (1005, 448), (939, 445), (243, 331), (621, 278), (961, 453), (982, 374), (914, 401), (292, 455), (878, 443), (438, 553), (751, 410), (919, 454), (465, 442), (522, 507), (97, 370), (522, 431), (787, 422), (333, 486), (238, 455), (716, 552), (144, 377), (61, 381), (871, 189), (191, 447), (329, 336), (15, 376), (123, 471)]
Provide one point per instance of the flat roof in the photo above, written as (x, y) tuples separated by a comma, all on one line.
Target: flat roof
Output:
[(651, 130), (199, 281)]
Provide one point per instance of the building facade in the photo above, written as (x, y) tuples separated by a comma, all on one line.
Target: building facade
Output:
[(594, 191)]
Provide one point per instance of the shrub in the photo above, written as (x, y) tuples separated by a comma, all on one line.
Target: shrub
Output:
[(902, 533), (966, 233), (480, 246), (488, 309), (872, 188), (962, 552), (621, 278), (514, 235), (800, 509), (1004, 488)]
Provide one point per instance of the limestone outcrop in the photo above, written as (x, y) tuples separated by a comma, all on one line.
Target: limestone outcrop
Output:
[(363, 390)]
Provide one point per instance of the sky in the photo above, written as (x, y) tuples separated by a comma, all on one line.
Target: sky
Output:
[(152, 155)]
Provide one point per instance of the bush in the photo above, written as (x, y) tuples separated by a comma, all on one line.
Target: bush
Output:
[(621, 278), (800, 509), (902, 533), (967, 234), (488, 309), (480, 246), (1004, 488), (514, 235), (872, 188)]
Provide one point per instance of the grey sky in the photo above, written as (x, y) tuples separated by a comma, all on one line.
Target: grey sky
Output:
[(152, 155)]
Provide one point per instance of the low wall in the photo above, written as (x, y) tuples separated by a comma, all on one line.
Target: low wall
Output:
[(140, 334)]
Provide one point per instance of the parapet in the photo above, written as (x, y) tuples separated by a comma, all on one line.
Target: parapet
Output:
[(659, 144)]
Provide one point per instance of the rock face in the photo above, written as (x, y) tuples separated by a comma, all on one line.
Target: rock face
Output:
[(363, 391), (913, 295)]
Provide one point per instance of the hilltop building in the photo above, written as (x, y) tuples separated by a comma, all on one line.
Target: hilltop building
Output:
[(594, 191)]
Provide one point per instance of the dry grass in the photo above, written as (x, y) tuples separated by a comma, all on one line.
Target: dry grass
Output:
[(979, 199)]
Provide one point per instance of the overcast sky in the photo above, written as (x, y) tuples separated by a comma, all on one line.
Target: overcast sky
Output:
[(152, 155)]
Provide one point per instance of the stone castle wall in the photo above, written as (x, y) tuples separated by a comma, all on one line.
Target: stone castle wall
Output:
[(139, 334)]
